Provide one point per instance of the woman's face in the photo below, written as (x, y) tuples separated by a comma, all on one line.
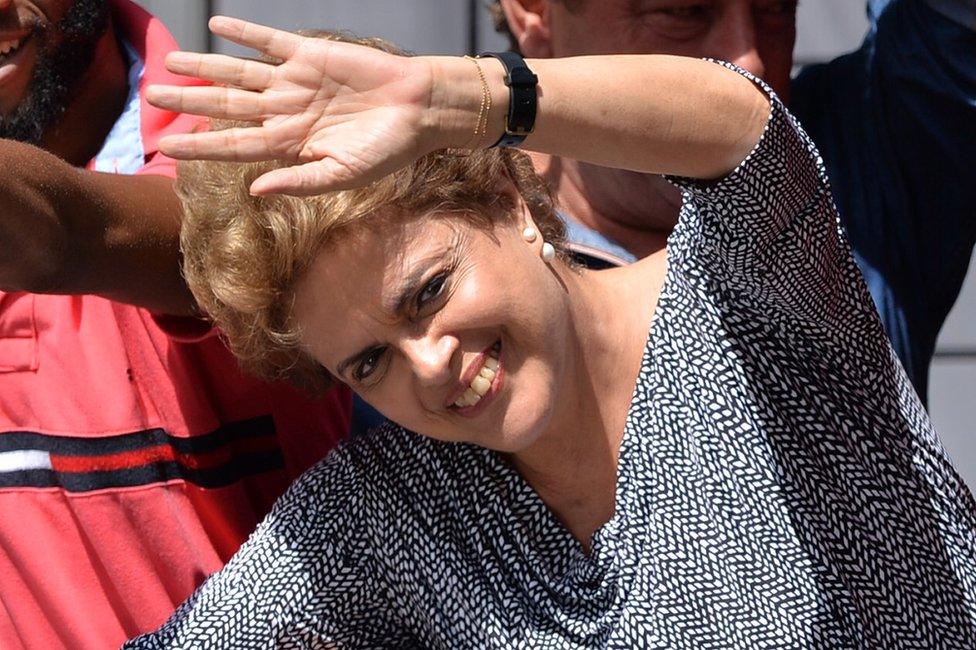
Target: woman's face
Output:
[(451, 330)]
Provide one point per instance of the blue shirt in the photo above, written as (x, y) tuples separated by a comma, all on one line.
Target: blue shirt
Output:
[(895, 122)]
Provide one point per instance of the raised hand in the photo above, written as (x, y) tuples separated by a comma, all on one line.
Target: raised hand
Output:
[(345, 114)]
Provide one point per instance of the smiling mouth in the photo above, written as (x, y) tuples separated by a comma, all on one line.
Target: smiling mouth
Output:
[(482, 382), (10, 48)]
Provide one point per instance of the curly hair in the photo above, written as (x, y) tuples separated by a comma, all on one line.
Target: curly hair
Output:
[(243, 255)]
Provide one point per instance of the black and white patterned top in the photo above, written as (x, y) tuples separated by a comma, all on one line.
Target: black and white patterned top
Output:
[(780, 485)]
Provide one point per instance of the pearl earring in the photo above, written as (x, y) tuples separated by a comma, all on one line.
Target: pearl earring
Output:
[(548, 252), (530, 234)]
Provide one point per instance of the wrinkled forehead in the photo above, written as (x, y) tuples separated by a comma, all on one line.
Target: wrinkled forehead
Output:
[(660, 26), (373, 261), (356, 279)]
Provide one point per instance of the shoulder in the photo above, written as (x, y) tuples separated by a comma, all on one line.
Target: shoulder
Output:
[(321, 502), (391, 454), (404, 479), (369, 463), (306, 570)]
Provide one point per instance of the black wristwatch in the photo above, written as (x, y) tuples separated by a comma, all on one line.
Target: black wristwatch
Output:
[(523, 98)]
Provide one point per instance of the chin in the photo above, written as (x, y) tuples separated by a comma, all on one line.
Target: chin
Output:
[(521, 430)]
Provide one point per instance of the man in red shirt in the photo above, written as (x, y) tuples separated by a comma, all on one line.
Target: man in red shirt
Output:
[(134, 455)]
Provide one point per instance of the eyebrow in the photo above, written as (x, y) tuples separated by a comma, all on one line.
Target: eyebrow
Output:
[(411, 285), (408, 288)]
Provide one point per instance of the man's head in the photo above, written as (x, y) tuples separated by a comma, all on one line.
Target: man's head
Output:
[(757, 35), (46, 46)]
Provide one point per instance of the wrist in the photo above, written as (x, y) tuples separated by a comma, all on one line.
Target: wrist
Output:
[(468, 101)]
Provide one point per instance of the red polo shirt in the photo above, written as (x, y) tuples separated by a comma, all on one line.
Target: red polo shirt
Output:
[(132, 464)]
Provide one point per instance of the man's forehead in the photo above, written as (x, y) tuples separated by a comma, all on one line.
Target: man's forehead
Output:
[(595, 8)]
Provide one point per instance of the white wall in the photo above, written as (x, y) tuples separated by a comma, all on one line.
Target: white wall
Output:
[(952, 390)]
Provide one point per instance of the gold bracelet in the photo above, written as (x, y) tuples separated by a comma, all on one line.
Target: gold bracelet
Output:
[(481, 128)]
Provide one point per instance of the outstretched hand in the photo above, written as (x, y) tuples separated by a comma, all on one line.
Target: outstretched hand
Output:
[(344, 114)]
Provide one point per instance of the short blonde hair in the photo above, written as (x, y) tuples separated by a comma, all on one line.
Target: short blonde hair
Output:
[(243, 255)]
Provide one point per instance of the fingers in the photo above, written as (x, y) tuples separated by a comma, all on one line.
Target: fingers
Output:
[(240, 145), (221, 69), (319, 177), (210, 101), (275, 42)]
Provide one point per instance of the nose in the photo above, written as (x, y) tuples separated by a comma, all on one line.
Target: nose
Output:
[(735, 40), (430, 357)]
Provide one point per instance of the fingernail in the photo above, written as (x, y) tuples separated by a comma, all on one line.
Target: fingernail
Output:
[(164, 145), (158, 94)]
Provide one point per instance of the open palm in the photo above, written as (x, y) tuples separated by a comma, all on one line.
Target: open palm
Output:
[(345, 114)]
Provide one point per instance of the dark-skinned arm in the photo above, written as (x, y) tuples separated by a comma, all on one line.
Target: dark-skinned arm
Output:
[(65, 230)]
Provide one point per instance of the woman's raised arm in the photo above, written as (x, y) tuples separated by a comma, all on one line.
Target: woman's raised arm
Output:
[(347, 115)]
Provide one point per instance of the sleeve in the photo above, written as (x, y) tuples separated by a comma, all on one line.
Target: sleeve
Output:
[(305, 578), (162, 165), (158, 164), (768, 230), (896, 122)]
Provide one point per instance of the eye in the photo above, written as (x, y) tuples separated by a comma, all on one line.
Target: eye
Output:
[(368, 364), (781, 8), (679, 21), (431, 291), (687, 12)]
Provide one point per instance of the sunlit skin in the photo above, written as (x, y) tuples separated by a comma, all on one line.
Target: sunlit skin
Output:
[(100, 93), (639, 210), (567, 369)]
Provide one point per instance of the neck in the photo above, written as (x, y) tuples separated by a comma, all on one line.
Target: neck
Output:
[(573, 465), (636, 210), (97, 101)]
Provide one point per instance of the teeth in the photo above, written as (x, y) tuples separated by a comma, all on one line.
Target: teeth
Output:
[(481, 384), (8, 46)]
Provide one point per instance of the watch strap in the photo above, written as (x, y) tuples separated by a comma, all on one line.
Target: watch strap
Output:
[(523, 98)]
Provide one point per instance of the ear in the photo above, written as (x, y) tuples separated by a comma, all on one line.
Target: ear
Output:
[(528, 21), (521, 215)]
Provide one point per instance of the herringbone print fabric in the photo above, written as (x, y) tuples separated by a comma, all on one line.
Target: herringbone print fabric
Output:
[(780, 485)]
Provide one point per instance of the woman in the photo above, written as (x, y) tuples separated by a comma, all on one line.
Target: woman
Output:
[(754, 472)]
